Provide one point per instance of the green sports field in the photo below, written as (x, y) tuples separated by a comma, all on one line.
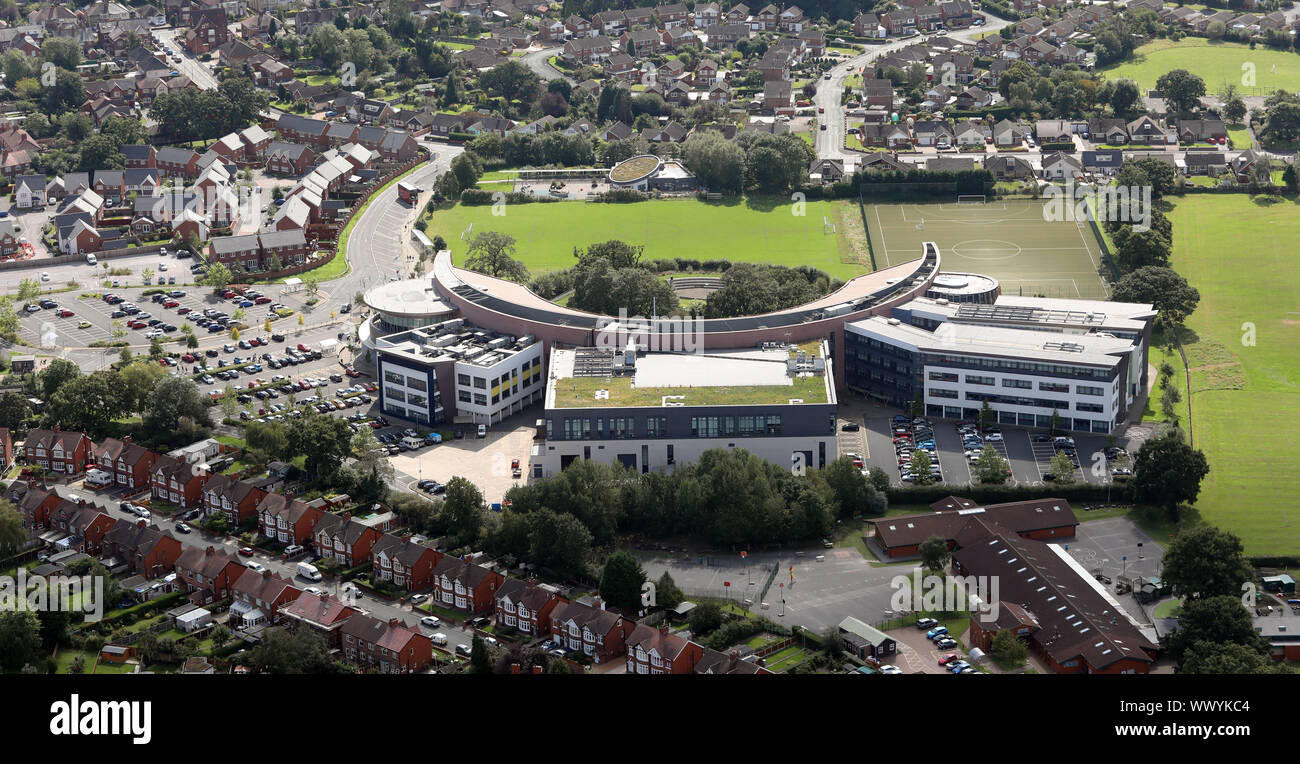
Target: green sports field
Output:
[(1011, 240), (751, 230), (1239, 252), (1218, 63)]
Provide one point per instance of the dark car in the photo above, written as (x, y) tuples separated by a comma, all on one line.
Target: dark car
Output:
[(211, 353), (850, 427)]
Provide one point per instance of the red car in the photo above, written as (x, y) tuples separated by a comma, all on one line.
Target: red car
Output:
[(255, 342), (228, 294), (189, 358), (136, 324), (949, 658), (171, 304), (64, 313), (248, 552), (304, 348), (351, 372), (262, 300), (182, 311)]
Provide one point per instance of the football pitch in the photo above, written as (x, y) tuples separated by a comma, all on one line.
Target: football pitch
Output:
[(823, 233), (1009, 240)]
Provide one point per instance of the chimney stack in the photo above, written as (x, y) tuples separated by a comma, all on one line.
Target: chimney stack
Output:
[(663, 628), (514, 668), (598, 602), (395, 622), (537, 669), (209, 551)]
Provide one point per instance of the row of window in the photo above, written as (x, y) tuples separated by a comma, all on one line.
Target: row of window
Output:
[(1019, 384), (657, 427), (397, 378)]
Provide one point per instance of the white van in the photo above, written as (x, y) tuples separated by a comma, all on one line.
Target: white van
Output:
[(98, 478), (91, 259), (308, 571), (414, 443)]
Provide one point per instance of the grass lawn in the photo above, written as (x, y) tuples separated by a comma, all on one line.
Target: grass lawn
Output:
[(786, 659), (1241, 342), (1218, 63), (1239, 136), (339, 265), (580, 392), (1168, 609), (753, 230)]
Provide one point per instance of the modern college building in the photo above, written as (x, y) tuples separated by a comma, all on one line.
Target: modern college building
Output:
[(487, 375), (1028, 357), (653, 411)]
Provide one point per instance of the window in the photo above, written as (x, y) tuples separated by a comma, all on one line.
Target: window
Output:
[(774, 425), (463, 396), (415, 383), (462, 379), (942, 376), (1053, 387), (972, 379), (704, 427), (480, 399), (941, 392), (393, 394), (480, 383), (1093, 407), (394, 377), (1088, 390), (1021, 384)]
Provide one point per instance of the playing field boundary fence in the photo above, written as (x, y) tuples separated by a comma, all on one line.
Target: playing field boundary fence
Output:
[(1106, 255)]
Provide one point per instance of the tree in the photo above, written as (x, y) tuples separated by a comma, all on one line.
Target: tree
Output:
[(20, 639), (920, 468), (175, 399), (1210, 658), (511, 80), (13, 536), (1291, 179), (1138, 249), (1167, 471), (1169, 400), (558, 666), (467, 169), (1205, 561), (1062, 468), (1282, 122), (667, 594), (28, 289), (87, 404), (1123, 96), (479, 663), (462, 508), (560, 542), (879, 479), (718, 163), (851, 491), (1181, 89), (934, 553), (620, 583), (493, 253), (218, 276), (138, 380), (325, 441), (155, 348), (14, 412), (55, 375), (990, 467), (1218, 620), (1162, 287), (301, 652), (705, 618), (988, 417), (1234, 110), (1007, 649)]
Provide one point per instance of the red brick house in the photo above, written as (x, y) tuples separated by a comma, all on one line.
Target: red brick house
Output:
[(58, 451), (592, 629), (653, 650), (236, 499), (261, 597), (321, 613), (403, 563), (129, 463), (465, 586), (288, 521), (343, 539), (91, 526), (206, 573), (145, 549), (385, 646), (176, 481), (36, 506), (526, 606)]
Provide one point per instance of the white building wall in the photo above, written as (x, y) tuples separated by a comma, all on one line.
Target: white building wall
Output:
[(778, 450)]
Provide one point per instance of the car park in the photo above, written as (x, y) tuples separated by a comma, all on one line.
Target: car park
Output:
[(937, 631)]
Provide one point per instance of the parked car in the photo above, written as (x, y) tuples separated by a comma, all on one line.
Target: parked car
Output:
[(937, 631), (432, 621)]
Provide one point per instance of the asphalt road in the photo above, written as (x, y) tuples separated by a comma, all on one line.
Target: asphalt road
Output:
[(189, 65), (829, 143), (539, 62)]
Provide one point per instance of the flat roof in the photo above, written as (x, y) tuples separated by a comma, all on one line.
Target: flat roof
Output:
[(410, 297), (957, 338), (735, 377)]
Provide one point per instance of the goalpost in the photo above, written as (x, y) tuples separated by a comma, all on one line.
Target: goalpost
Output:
[(970, 199)]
